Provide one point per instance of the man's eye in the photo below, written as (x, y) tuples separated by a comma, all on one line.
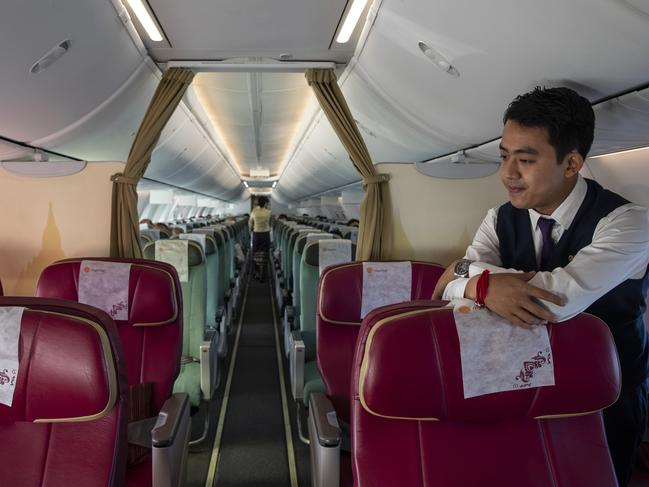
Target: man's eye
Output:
[(526, 161)]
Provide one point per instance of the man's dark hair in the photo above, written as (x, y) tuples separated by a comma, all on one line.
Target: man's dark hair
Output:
[(567, 116), (262, 201)]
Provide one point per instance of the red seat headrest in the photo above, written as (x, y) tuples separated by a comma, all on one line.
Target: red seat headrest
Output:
[(408, 367), (340, 293), (69, 356), (153, 297)]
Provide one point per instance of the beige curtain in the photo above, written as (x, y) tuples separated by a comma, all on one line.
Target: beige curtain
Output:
[(373, 217), (124, 230)]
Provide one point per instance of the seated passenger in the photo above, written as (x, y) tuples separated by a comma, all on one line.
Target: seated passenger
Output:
[(176, 231), (162, 226), (352, 223), (147, 222), (563, 245)]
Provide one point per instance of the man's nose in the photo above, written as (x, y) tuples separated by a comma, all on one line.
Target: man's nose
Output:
[(509, 168)]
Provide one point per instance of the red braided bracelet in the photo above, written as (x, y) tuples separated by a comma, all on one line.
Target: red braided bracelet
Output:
[(481, 289)]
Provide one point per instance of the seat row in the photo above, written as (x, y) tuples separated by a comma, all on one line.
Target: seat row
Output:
[(163, 359), (384, 387)]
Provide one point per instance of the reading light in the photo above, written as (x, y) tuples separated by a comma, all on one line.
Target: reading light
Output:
[(50, 57), (274, 184), (145, 19), (245, 183), (351, 20), (440, 61)]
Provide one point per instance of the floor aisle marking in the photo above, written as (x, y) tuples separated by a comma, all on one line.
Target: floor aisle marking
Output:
[(288, 433), (214, 458)]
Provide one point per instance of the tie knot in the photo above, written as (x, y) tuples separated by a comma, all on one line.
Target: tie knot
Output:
[(545, 225)]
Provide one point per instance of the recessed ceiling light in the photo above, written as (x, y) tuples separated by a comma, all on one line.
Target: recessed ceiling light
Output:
[(351, 20), (438, 60), (145, 19), (50, 57)]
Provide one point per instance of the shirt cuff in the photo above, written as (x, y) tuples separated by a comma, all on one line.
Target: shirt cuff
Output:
[(455, 289), (476, 268)]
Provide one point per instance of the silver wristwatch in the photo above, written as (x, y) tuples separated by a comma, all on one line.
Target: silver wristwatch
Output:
[(462, 268)]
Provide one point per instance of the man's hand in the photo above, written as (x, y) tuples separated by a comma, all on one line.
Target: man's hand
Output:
[(509, 295), (448, 276)]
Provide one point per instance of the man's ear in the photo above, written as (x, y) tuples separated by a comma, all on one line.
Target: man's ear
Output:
[(574, 163)]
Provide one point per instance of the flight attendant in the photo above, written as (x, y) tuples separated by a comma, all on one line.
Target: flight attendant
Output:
[(579, 246), (259, 224)]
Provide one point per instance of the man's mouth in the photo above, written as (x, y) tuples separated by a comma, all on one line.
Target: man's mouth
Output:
[(515, 189)]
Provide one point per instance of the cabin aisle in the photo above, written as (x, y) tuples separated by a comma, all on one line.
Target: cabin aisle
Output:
[(253, 449)]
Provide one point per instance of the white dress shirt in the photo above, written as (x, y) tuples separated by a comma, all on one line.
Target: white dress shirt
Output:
[(619, 251)]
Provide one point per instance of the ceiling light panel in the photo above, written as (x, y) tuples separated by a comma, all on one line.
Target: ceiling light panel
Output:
[(351, 21), (145, 19), (257, 114)]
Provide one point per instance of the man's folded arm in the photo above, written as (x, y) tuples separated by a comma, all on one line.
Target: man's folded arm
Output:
[(619, 251)]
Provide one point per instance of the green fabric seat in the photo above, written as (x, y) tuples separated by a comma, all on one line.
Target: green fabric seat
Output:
[(221, 242), (309, 279), (194, 293), (189, 381), (298, 249), (212, 279)]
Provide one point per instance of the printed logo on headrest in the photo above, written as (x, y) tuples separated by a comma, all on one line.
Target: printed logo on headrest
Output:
[(370, 270), (7, 377), (90, 269), (529, 367)]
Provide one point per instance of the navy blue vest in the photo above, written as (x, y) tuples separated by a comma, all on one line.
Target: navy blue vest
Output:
[(622, 308)]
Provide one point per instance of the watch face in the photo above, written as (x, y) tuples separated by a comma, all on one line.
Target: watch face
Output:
[(462, 268)]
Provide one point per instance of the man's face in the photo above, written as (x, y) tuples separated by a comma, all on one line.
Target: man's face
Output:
[(529, 169)]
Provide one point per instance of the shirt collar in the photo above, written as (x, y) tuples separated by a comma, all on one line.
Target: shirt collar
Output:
[(566, 211)]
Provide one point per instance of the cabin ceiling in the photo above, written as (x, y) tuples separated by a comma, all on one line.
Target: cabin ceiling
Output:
[(225, 29), (89, 103), (258, 114)]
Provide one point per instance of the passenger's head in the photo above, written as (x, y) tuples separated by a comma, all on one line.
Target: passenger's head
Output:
[(546, 136), (262, 201), (147, 222), (352, 223), (176, 231), (162, 226)]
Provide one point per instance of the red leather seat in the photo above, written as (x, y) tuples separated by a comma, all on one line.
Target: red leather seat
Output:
[(411, 425), (339, 318), (67, 422), (152, 335)]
